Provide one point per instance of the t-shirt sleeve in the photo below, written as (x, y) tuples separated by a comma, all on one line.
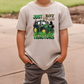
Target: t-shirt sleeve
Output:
[(21, 23), (65, 19)]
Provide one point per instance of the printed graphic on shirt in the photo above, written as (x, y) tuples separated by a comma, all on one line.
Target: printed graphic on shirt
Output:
[(43, 26)]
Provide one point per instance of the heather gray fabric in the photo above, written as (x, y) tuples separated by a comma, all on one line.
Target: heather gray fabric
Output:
[(56, 74), (43, 49)]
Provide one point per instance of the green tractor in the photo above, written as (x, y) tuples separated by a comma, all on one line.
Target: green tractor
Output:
[(43, 26)]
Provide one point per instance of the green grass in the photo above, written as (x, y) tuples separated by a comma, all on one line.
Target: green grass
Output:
[(13, 6), (42, 35), (71, 3)]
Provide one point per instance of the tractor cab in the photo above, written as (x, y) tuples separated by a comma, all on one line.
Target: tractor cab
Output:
[(43, 26)]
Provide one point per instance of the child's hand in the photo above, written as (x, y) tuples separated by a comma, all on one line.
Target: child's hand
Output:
[(60, 59), (25, 59)]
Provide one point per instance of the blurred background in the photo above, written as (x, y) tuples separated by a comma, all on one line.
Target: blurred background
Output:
[(12, 68)]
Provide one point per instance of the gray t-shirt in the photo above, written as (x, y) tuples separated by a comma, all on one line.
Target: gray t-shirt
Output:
[(42, 25)]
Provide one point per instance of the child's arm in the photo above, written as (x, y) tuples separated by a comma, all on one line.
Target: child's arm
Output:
[(20, 45), (63, 45)]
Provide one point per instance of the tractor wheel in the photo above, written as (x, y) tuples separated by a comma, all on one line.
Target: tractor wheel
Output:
[(35, 29), (44, 30)]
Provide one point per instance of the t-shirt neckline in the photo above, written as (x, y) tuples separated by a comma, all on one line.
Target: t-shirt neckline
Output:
[(43, 7)]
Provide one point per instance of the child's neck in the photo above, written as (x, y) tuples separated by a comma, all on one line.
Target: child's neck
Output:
[(44, 2)]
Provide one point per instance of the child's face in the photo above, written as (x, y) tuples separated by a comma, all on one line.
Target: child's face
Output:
[(43, 1)]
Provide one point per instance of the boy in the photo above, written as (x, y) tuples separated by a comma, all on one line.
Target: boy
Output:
[(42, 40)]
